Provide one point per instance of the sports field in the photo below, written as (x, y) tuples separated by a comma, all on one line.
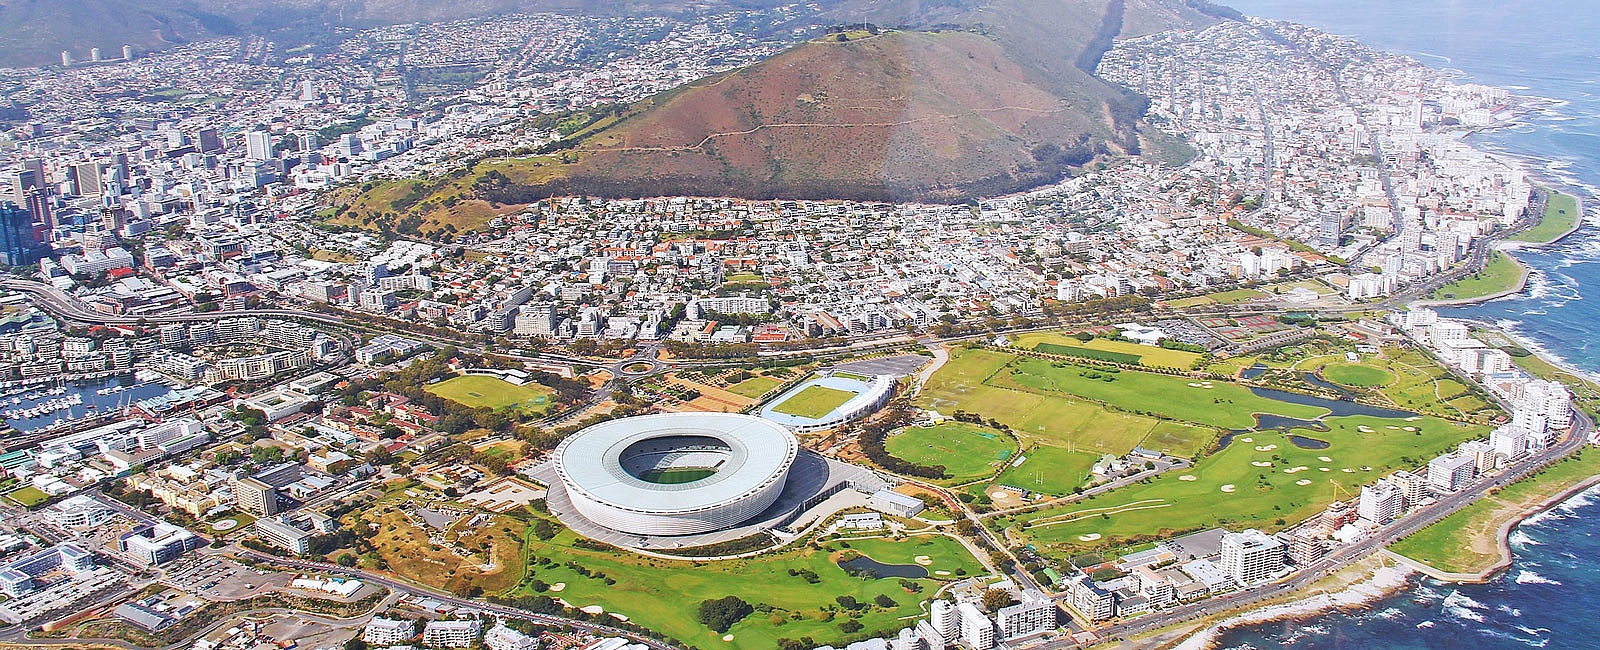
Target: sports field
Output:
[(676, 475), (1233, 297), (800, 585), (967, 452), (1049, 470), (1179, 438), (1262, 479), (814, 402), (28, 497), (477, 391), (755, 387), (1350, 374)]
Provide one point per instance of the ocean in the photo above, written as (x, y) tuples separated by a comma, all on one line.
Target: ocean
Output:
[(1545, 48), (1541, 48)]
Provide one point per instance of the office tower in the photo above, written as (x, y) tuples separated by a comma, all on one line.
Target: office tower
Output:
[(127, 52), (39, 209), (66, 59), (209, 140), (86, 178), (18, 245), (308, 142), (258, 145), (94, 54)]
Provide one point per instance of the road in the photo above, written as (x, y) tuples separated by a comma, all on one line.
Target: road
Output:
[(399, 586), (1333, 562)]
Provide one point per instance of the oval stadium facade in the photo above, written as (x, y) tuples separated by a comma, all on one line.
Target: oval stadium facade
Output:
[(675, 473)]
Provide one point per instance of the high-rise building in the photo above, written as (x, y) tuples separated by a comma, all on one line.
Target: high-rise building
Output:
[(1251, 557), (1380, 502), (977, 631), (94, 54), (1413, 488), (208, 139), (501, 637), (943, 617), (18, 243), (382, 631), (1092, 601), (1035, 614), (256, 497), (451, 634), (258, 145), (127, 52), (1451, 471), (66, 59), (87, 178)]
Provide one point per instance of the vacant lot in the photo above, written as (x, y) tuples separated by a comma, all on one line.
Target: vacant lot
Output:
[(814, 402), (480, 391), (967, 452)]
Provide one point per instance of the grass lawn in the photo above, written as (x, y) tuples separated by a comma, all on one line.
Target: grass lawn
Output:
[(1222, 405), (477, 390), (1179, 439), (1467, 540), (1560, 215), (967, 452), (662, 594), (1035, 417), (814, 402), (1500, 274), (1148, 355), (1351, 374), (29, 496), (755, 387), (676, 475), (1233, 297), (1268, 495), (1049, 470)]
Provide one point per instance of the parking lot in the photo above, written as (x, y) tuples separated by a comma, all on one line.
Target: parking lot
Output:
[(218, 578), (899, 365)]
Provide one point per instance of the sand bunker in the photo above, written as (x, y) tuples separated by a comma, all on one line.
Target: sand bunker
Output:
[(1228, 488), (1260, 463), (1089, 537), (1325, 459), (1323, 469), (1194, 384), (1296, 469), (922, 560), (1365, 429), (1347, 470), (1188, 477), (558, 586), (1247, 439), (592, 610), (727, 637), (941, 572), (1266, 447), (1304, 481)]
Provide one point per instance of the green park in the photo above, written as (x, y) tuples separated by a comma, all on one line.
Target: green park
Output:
[(814, 402), (476, 391)]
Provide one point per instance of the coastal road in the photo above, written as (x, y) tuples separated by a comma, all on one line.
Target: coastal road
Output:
[(1414, 521)]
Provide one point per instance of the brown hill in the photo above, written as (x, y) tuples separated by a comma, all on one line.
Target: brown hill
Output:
[(997, 96)]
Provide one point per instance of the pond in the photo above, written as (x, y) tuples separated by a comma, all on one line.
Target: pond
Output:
[(1314, 380), (1339, 408), (862, 564), (1253, 371), (1309, 443)]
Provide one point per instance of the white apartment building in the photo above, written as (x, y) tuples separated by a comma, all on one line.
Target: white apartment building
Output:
[(1451, 471), (1251, 556), (1035, 614), (977, 631), (451, 634), (1380, 502), (501, 637), (387, 631)]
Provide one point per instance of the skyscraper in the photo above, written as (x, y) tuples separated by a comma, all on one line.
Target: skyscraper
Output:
[(209, 140), (18, 246), (86, 177), (258, 145)]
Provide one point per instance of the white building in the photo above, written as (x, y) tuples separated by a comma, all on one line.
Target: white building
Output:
[(451, 634), (977, 631), (501, 637), (1451, 471), (388, 631), (1035, 614), (1251, 556), (943, 619), (1380, 502)]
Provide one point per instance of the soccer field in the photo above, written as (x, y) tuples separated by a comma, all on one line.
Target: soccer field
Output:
[(477, 391), (814, 402)]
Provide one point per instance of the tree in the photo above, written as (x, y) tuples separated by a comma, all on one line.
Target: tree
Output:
[(356, 644), (719, 614), (850, 626), (994, 599), (884, 601)]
